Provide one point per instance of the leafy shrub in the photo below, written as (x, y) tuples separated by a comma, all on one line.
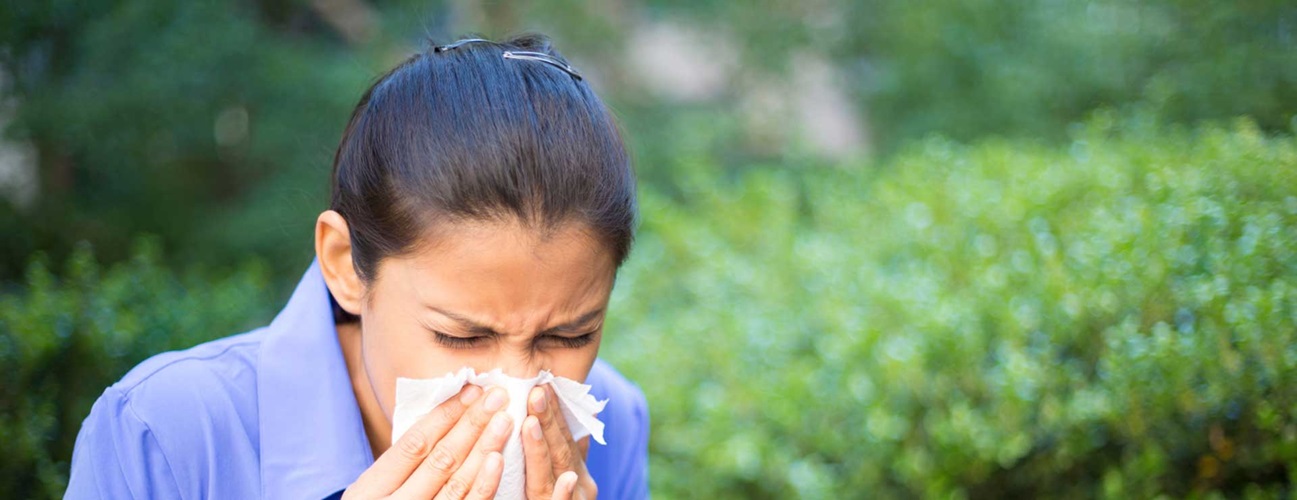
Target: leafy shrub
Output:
[(1114, 318), (147, 115), (64, 339)]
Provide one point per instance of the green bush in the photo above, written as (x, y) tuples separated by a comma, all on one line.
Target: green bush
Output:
[(1117, 317), (64, 339), (1114, 318), (971, 69), (976, 68), (149, 115)]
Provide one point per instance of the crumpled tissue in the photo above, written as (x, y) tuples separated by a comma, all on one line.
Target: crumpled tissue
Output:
[(416, 397)]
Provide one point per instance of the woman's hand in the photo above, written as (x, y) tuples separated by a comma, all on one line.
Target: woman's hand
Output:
[(555, 463), (452, 452)]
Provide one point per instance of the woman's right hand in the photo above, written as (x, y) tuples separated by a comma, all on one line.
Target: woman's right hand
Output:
[(452, 452)]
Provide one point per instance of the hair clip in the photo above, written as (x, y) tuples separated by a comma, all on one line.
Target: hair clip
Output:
[(457, 43), (542, 57)]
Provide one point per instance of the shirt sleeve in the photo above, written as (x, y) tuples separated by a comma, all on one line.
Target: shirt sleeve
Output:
[(116, 455), (638, 481)]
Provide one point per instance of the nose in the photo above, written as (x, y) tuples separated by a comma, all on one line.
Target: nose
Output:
[(520, 362)]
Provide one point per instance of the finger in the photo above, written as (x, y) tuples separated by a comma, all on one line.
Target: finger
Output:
[(583, 444), (580, 448), (492, 441), (538, 468), (562, 449), (565, 486), (396, 464), (488, 479), (448, 454)]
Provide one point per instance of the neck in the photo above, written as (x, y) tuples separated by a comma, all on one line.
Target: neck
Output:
[(377, 427)]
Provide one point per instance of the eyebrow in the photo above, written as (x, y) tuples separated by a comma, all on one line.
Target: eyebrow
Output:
[(479, 328)]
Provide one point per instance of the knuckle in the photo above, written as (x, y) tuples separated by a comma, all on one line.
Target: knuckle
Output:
[(556, 416), (563, 456), (484, 489), (479, 419), (448, 413), (441, 461), (456, 487), (413, 445), (540, 491)]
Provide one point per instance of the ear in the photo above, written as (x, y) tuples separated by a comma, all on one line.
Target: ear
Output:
[(333, 248)]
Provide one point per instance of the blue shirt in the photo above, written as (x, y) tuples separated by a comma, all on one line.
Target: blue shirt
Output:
[(271, 414)]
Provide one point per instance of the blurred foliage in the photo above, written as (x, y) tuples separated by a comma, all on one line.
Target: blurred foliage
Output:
[(1008, 299), (65, 337), (1115, 318), (1112, 318), (966, 69), (212, 123)]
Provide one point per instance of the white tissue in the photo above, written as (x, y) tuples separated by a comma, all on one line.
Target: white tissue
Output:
[(416, 397)]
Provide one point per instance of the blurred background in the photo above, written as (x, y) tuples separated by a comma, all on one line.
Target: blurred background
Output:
[(954, 248)]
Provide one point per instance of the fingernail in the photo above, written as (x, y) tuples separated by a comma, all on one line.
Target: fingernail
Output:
[(470, 395), (533, 428), (538, 399), (495, 399), (500, 424)]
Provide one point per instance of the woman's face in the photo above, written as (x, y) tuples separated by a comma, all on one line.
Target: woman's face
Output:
[(486, 296)]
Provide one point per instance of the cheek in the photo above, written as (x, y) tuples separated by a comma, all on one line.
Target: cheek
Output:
[(394, 346)]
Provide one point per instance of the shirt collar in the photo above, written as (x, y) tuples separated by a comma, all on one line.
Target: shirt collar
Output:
[(313, 440)]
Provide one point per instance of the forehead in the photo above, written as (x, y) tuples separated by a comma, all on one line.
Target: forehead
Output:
[(503, 269)]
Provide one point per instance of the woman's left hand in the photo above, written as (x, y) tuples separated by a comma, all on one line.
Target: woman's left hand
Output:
[(555, 463)]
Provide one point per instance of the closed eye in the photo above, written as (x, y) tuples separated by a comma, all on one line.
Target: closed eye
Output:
[(454, 342), (569, 342)]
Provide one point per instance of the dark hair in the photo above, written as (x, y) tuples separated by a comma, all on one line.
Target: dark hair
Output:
[(465, 134)]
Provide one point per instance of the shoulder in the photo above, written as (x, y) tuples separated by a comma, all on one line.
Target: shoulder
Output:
[(173, 416), (206, 388), (608, 383), (620, 468), (174, 391), (207, 362), (627, 406)]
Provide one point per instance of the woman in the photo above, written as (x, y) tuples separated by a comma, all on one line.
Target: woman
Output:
[(482, 201)]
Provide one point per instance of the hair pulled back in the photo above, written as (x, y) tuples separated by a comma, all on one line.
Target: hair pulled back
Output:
[(468, 135)]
